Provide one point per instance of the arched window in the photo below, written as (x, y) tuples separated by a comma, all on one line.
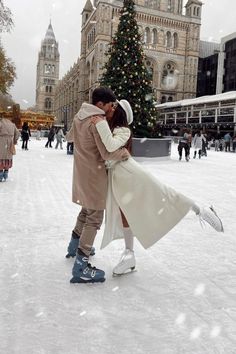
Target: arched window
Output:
[(48, 103), (169, 78), (153, 4), (149, 66), (198, 11), (154, 36), (163, 99), (168, 39), (94, 35), (170, 5), (180, 6), (147, 35), (156, 4), (175, 37)]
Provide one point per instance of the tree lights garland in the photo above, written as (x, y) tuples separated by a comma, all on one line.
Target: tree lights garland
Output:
[(126, 74)]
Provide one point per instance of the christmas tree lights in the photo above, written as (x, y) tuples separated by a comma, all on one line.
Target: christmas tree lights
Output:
[(126, 74)]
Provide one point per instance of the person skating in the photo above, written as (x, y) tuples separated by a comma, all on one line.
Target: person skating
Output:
[(9, 135), (184, 144), (25, 135), (59, 137), (129, 185), (197, 144), (90, 183), (51, 135)]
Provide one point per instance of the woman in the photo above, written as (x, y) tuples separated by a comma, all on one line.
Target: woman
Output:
[(59, 136), (197, 144), (25, 134), (51, 135), (8, 138), (132, 189)]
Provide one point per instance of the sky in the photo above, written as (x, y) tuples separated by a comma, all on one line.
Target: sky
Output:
[(31, 19)]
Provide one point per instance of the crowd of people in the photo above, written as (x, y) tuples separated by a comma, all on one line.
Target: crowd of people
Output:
[(200, 143)]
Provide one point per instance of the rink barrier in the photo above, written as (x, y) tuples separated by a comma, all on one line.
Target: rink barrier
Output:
[(147, 147)]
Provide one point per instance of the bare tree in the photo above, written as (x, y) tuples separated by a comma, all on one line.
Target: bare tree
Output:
[(7, 67), (6, 22)]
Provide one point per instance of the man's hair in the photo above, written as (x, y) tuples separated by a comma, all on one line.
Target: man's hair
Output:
[(103, 94)]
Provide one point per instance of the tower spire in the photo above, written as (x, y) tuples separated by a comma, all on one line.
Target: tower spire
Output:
[(50, 34)]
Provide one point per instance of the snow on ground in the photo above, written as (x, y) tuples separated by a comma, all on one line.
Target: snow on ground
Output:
[(181, 300)]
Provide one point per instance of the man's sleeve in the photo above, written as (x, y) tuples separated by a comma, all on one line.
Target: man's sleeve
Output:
[(70, 134)]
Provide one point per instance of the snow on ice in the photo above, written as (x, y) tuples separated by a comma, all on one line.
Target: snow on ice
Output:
[(181, 300)]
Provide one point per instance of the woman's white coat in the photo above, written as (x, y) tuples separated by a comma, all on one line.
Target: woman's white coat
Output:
[(151, 208)]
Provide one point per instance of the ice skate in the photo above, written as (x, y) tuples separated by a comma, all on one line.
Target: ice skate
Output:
[(209, 215), (83, 272), (127, 263), (5, 175), (73, 246)]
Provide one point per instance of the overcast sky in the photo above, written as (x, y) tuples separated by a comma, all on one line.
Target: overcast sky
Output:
[(31, 19)]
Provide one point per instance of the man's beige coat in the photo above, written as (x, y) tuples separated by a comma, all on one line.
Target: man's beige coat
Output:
[(90, 179)]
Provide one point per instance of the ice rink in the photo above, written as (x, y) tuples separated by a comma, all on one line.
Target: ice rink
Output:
[(181, 299)]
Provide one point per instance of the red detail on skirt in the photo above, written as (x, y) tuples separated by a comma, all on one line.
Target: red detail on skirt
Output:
[(5, 164)]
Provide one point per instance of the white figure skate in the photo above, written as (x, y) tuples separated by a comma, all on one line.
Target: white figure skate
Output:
[(209, 215), (127, 262)]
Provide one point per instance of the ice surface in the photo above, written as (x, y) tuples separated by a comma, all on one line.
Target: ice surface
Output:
[(181, 300)]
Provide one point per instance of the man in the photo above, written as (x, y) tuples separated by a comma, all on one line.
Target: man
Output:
[(90, 183), (184, 143), (227, 139)]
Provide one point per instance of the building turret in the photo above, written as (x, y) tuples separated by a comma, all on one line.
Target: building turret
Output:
[(47, 72), (87, 10), (194, 8)]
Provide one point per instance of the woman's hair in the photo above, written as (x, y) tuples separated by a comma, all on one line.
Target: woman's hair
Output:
[(119, 120)]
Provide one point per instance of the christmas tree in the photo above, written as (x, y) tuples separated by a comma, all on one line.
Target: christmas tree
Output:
[(126, 74)]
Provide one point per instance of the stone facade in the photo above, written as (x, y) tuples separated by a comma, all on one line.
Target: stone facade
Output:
[(66, 96), (47, 73), (170, 42)]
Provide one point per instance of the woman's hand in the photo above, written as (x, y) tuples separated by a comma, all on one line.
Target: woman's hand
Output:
[(97, 119)]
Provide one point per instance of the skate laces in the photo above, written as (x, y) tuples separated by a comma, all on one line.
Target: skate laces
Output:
[(90, 267)]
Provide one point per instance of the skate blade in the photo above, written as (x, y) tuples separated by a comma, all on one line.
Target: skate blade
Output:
[(128, 271), (221, 224), (76, 280)]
